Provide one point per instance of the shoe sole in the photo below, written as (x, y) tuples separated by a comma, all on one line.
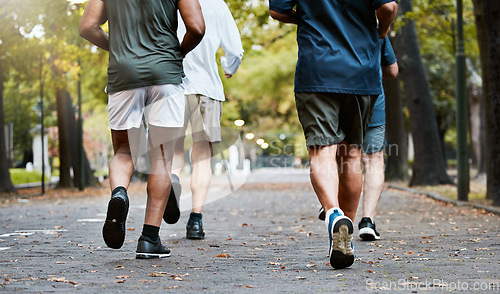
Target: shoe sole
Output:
[(195, 236), (341, 253), (368, 234), (172, 212), (141, 255), (113, 230)]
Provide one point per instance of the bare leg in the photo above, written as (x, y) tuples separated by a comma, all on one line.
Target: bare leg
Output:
[(121, 166), (178, 160), (202, 174), (324, 176), (160, 156), (350, 178), (373, 184)]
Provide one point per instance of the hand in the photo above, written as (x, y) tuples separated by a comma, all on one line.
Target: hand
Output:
[(227, 75)]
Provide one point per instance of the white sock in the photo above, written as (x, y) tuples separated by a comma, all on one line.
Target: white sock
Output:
[(328, 213)]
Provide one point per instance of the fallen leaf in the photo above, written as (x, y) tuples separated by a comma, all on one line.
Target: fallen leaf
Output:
[(244, 225), (156, 265), (223, 255), (120, 281), (172, 287), (300, 278), (122, 277)]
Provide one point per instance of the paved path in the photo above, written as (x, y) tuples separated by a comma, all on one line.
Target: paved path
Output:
[(264, 237)]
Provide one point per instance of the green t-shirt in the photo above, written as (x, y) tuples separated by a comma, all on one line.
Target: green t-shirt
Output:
[(144, 48)]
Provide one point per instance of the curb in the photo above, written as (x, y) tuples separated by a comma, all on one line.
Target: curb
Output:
[(490, 209)]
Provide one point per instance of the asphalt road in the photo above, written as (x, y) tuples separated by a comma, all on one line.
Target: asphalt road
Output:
[(263, 237)]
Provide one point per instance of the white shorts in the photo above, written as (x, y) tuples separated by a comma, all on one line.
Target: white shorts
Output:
[(161, 106)]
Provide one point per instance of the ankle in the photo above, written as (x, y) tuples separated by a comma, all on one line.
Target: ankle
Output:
[(151, 232), (195, 217)]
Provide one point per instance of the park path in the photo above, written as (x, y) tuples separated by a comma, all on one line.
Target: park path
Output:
[(263, 237)]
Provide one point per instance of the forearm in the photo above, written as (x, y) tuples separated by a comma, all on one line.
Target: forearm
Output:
[(190, 41), (90, 24), (230, 64), (285, 17), (386, 15), (192, 17), (96, 36)]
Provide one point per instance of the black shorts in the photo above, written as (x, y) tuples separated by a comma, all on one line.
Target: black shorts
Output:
[(330, 118)]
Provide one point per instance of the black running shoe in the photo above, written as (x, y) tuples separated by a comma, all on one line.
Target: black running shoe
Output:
[(194, 230), (321, 214), (113, 230), (172, 212), (367, 231), (147, 249)]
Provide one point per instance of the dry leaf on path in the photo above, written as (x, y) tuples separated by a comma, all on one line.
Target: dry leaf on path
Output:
[(223, 255)]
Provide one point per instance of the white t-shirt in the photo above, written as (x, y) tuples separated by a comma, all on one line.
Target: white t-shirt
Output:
[(200, 65)]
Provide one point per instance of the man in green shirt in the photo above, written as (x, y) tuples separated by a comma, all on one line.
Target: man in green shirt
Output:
[(144, 81)]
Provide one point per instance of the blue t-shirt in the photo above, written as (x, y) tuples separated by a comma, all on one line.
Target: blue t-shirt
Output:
[(388, 58), (339, 48)]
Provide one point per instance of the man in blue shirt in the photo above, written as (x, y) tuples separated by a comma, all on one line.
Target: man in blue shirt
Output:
[(337, 81)]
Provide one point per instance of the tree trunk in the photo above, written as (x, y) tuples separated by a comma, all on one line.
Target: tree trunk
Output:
[(397, 141), (65, 115), (491, 10), (68, 144), (483, 54), (429, 166), (5, 181), (475, 123)]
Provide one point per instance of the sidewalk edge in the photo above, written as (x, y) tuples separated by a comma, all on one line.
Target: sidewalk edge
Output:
[(441, 198)]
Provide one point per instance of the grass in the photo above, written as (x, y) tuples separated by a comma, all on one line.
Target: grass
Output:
[(477, 189), (21, 176)]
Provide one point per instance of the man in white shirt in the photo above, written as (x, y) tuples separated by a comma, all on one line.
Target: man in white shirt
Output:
[(204, 95)]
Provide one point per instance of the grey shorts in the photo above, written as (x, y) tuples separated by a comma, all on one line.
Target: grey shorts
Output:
[(204, 113), (330, 118), (374, 140)]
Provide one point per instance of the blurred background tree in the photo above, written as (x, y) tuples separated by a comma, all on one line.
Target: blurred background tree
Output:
[(40, 46)]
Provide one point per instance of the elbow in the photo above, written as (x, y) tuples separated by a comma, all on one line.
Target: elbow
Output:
[(84, 30), (388, 10), (198, 30), (392, 75), (390, 72)]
